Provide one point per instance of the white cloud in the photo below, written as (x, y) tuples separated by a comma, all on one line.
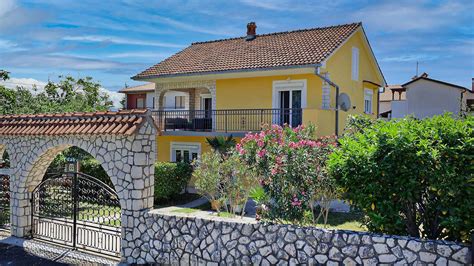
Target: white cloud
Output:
[(266, 4), (6, 6), (118, 40), (409, 15), (27, 83), (139, 54), (115, 97), (410, 58)]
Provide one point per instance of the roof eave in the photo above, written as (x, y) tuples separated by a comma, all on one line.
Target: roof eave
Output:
[(148, 78)]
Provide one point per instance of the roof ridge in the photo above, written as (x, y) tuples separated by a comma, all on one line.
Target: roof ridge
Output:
[(282, 32)]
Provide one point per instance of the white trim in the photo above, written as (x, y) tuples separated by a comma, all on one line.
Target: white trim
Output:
[(368, 93), (355, 63), (245, 74), (183, 145), (289, 85)]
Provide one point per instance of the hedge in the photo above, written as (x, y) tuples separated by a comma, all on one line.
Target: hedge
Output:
[(171, 179), (410, 176)]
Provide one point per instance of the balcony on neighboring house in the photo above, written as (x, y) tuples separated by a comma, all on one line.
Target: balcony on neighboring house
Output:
[(226, 121)]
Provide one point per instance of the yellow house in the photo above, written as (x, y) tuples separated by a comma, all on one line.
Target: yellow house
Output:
[(233, 86)]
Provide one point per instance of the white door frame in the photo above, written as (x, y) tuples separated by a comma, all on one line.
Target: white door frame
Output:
[(288, 85)]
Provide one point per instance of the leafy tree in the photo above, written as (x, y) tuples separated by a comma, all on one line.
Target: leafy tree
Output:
[(66, 95)]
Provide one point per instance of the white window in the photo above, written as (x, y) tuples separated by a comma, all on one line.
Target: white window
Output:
[(140, 103), (185, 151), (355, 63), (326, 99), (179, 102), (368, 95)]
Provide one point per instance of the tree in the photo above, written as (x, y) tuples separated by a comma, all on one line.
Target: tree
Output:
[(67, 95), (4, 75)]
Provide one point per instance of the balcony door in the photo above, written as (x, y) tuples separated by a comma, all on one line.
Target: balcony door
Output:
[(290, 107), (288, 101)]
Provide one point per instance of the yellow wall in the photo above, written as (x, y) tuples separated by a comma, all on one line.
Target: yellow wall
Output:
[(249, 93), (164, 142), (339, 68), (243, 93), (254, 93)]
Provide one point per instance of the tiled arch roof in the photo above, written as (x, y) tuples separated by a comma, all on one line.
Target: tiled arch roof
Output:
[(125, 122)]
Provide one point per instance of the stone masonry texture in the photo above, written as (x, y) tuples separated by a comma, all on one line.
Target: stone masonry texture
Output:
[(164, 239)]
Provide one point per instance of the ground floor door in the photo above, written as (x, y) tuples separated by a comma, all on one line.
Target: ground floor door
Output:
[(77, 210)]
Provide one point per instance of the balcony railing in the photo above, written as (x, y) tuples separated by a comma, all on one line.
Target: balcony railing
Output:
[(231, 120)]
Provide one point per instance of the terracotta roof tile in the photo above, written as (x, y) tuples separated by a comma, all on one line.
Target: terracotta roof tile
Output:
[(124, 122), (282, 49)]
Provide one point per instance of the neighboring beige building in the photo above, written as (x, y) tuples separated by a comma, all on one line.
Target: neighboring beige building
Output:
[(424, 97)]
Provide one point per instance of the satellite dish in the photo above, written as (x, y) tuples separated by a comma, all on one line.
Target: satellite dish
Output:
[(344, 102)]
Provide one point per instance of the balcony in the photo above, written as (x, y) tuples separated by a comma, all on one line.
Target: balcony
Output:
[(225, 121)]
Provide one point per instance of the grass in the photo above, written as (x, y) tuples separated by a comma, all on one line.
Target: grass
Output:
[(177, 200), (344, 221)]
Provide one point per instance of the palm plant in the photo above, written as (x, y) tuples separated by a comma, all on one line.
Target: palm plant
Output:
[(222, 145)]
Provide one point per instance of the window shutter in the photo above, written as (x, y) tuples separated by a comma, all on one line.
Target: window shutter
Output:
[(355, 63)]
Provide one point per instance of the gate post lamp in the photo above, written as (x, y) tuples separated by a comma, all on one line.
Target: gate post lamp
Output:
[(72, 165)]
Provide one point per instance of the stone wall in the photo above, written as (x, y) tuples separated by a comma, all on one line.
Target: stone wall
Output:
[(159, 238), (128, 160)]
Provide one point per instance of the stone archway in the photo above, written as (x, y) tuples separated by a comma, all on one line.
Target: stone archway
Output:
[(123, 142)]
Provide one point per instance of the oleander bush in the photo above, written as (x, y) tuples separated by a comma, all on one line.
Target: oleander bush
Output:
[(171, 179), (291, 167), (410, 177)]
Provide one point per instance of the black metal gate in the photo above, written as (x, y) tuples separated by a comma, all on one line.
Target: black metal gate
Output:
[(4, 201), (77, 210)]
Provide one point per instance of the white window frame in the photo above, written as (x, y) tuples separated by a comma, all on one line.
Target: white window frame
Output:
[(205, 96), (191, 146), (289, 85), (355, 64), (176, 103), (368, 96), (143, 103)]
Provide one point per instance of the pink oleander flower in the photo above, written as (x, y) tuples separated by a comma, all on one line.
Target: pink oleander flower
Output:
[(261, 153), (260, 143), (296, 202)]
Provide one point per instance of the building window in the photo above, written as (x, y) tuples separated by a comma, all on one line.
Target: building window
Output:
[(326, 99), (179, 102), (355, 63), (185, 151), (140, 103), (368, 95)]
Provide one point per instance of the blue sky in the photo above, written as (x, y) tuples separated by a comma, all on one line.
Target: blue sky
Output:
[(113, 40)]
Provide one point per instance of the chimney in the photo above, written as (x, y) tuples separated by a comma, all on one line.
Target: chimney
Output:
[(251, 31)]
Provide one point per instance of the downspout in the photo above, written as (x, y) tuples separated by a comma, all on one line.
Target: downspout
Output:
[(316, 72)]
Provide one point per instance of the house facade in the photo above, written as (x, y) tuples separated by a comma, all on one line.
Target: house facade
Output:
[(424, 97), (233, 86)]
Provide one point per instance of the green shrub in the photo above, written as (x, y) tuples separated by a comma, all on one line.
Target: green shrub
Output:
[(170, 179), (411, 176), (92, 167)]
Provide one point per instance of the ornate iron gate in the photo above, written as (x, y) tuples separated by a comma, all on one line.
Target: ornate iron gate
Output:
[(77, 210), (4, 201)]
